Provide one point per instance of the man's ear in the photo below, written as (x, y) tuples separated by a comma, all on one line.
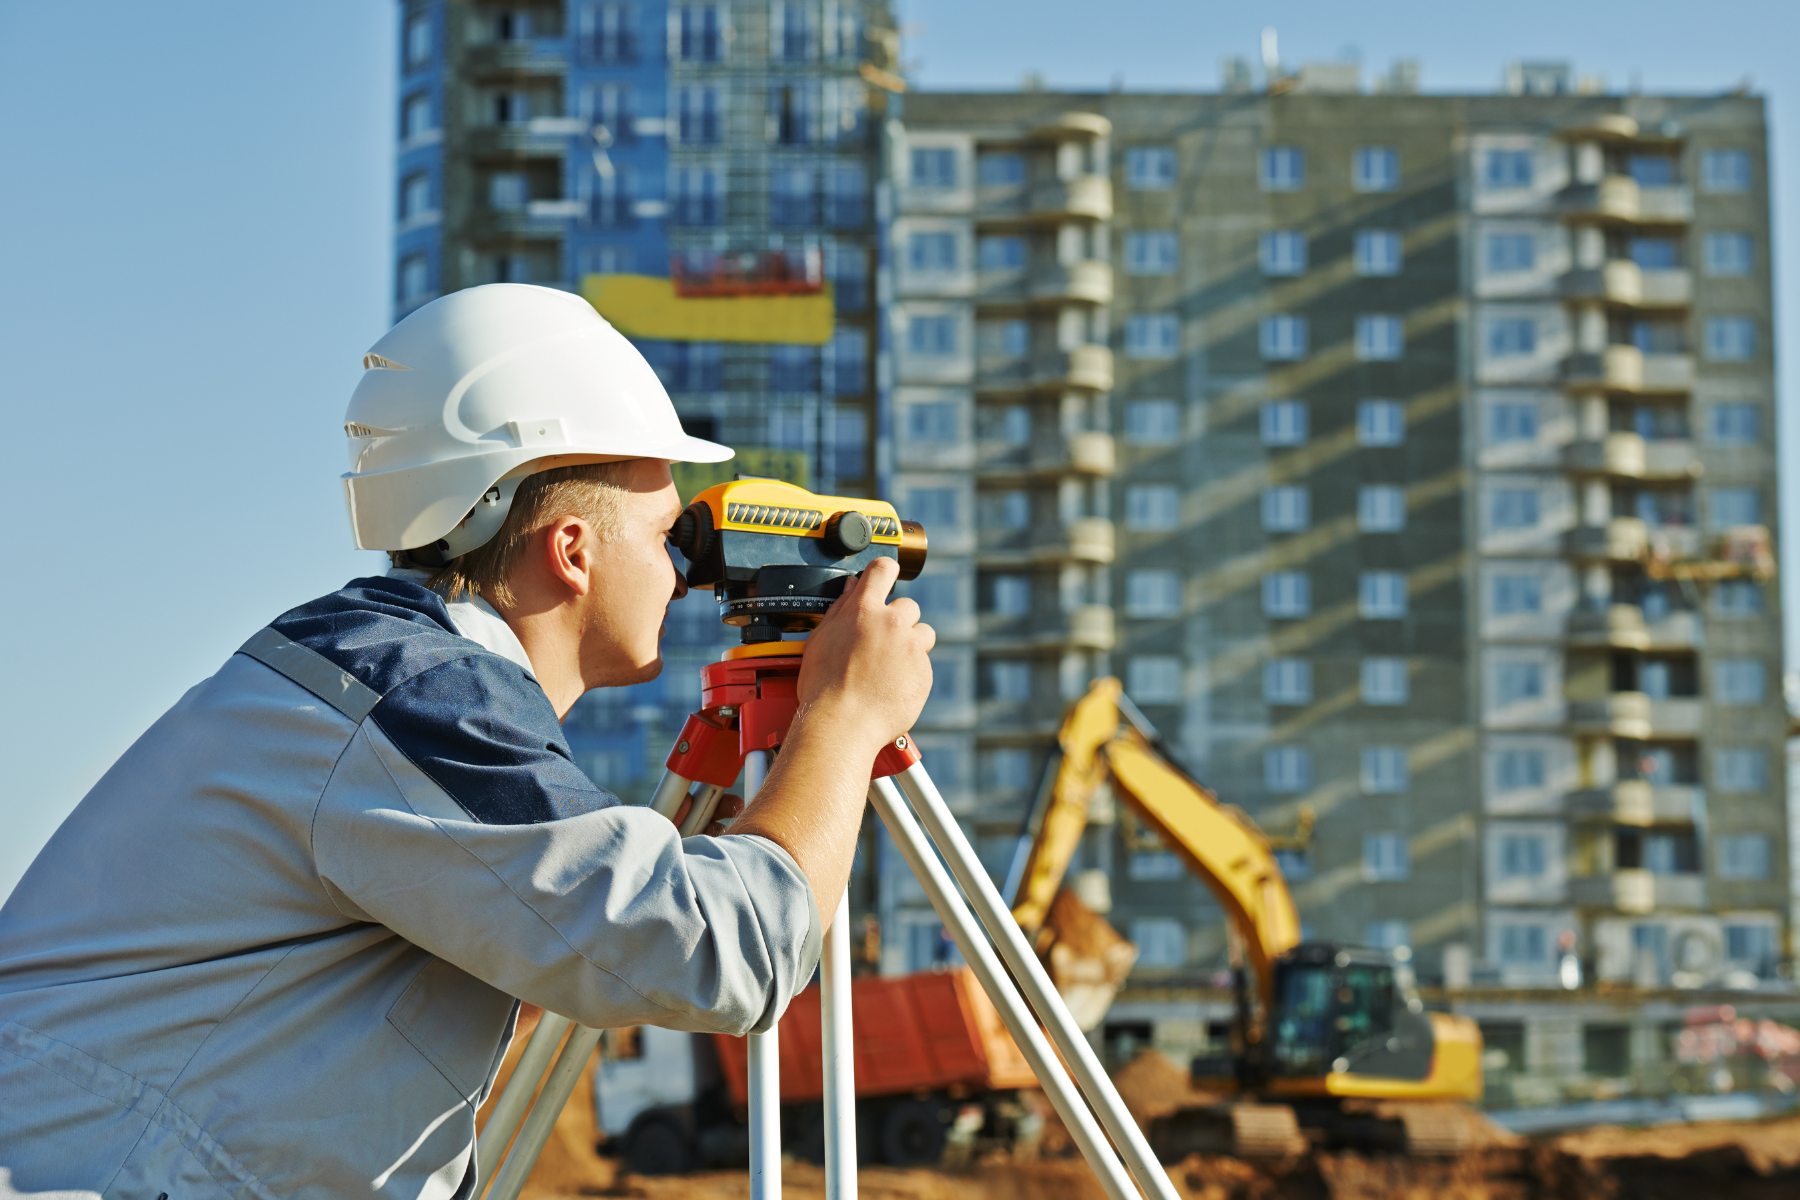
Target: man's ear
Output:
[(568, 553)]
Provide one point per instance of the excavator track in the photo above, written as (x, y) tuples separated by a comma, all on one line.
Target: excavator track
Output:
[(1265, 1131), (1435, 1130)]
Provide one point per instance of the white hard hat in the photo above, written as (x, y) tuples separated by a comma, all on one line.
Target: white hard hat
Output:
[(463, 398)]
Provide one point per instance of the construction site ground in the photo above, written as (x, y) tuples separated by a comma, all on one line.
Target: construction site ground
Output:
[(1713, 1161)]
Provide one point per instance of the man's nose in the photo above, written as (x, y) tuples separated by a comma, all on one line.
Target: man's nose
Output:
[(681, 584)]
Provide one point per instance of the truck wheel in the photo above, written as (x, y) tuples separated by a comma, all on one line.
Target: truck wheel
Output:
[(912, 1134), (659, 1146)]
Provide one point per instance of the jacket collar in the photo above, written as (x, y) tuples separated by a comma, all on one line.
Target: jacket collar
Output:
[(476, 620)]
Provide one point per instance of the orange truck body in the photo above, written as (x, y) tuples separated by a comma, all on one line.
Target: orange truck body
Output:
[(930, 1032)]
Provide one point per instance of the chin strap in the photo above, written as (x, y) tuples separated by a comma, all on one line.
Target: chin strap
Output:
[(473, 532)]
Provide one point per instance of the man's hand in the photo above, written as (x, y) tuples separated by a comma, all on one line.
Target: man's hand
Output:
[(867, 668), (864, 678)]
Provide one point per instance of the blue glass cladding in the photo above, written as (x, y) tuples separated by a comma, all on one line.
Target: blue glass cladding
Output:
[(418, 238), (618, 82)]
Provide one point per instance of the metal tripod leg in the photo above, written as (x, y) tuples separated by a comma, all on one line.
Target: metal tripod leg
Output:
[(542, 1120), (837, 1045), (509, 1109), (910, 840), (763, 1061), (1090, 1076)]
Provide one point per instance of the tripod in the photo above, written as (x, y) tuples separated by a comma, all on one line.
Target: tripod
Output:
[(748, 701)]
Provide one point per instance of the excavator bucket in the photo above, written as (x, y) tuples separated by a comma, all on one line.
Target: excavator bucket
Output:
[(1087, 958)]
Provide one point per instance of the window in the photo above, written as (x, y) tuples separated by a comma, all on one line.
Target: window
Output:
[(1381, 594), (933, 251), (1380, 423), (934, 167), (1384, 769), (1000, 170), (1002, 253), (791, 40), (1381, 508), (415, 278), (1012, 595), (935, 335), (794, 369), (932, 422), (849, 434), (1287, 681), (1150, 253), (1513, 508), (931, 507), (1511, 594), (1284, 423), (697, 115), (1283, 339), (1512, 423), (1651, 170), (1733, 424), (1740, 770), (1507, 169), (415, 195), (1008, 768), (1515, 682), (697, 33), (1387, 935), (1012, 510), (1511, 337), (1282, 252), (1286, 594), (1287, 769), (1523, 855), (1728, 506), (1375, 169), (1154, 867), (1286, 509), (1161, 942), (793, 201), (699, 196), (938, 596), (1730, 339), (1727, 254), (1751, 944), (1153, 678), (1386, 857), (1654, 253), (1152, 423), (610, 37), (1155, 335), (944, 678), (1152, 507), (850, 365), (1379, 338), (1739, 681), (1009, 680), (1724, 171), (848, 267), (1008, 339), (1152, 593), (1518, 769), (1743, 856), (847, 203), (418, 40), (1283, 169), (1510, 252), (1737, 598), (1015, 425), (1384, 681), (1149, 168), (509, 191), (1377, 252), (415, 116), (1523, 945)]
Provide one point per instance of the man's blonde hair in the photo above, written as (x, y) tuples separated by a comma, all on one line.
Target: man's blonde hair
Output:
[(595, 492)]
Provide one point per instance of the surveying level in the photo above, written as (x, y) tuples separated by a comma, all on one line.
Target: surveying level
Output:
[(776, 557)]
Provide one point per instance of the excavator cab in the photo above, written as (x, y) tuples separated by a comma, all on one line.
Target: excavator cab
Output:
[(1342, 1010)]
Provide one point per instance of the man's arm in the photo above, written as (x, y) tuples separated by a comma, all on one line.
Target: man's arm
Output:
[(863, 681)]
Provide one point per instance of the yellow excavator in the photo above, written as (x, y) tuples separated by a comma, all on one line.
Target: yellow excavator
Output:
[(1330, 1044)]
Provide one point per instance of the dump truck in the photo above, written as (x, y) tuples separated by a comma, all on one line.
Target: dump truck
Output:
[(1330, 1043), (929, 1048)]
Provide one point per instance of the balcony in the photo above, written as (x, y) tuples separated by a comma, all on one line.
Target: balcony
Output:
[(1614, 454), (1620, 625), (1072, 126), (517, 139), (1086, 197), (1622, 714), (1619, 198), (1622, 539), (1624, 283), (490, 223), (1084, 453), (1041, 715), (1637, 802), (1677, 716), (1671, 458), (1089, 627), (511, 58), (1624, 368), (1636, 890), (1085, 282), (1676, 631), (1086, 539), (1080, 367)]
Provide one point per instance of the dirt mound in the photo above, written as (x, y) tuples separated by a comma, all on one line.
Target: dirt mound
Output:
[(1153, 1085)]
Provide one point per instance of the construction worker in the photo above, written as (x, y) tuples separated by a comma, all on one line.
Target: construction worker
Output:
[(275, 951)]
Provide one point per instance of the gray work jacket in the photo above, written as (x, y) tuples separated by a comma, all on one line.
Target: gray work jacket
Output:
[(274, 952)]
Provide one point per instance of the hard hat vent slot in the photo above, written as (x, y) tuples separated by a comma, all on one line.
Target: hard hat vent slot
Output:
[(356, 430), (372, 361)]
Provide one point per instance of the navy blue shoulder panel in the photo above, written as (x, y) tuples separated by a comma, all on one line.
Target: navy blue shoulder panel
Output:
[(475, 722)]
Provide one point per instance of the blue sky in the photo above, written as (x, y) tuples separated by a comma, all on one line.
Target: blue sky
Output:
[(195, 230)]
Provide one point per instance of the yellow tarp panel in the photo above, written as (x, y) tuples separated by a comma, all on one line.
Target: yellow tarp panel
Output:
[(791, 465), (647, 306)]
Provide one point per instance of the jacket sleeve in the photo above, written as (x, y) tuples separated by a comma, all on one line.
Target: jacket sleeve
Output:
[(605, 916)]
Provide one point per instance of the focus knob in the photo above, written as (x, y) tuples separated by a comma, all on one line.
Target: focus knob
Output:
[(847, 533)]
